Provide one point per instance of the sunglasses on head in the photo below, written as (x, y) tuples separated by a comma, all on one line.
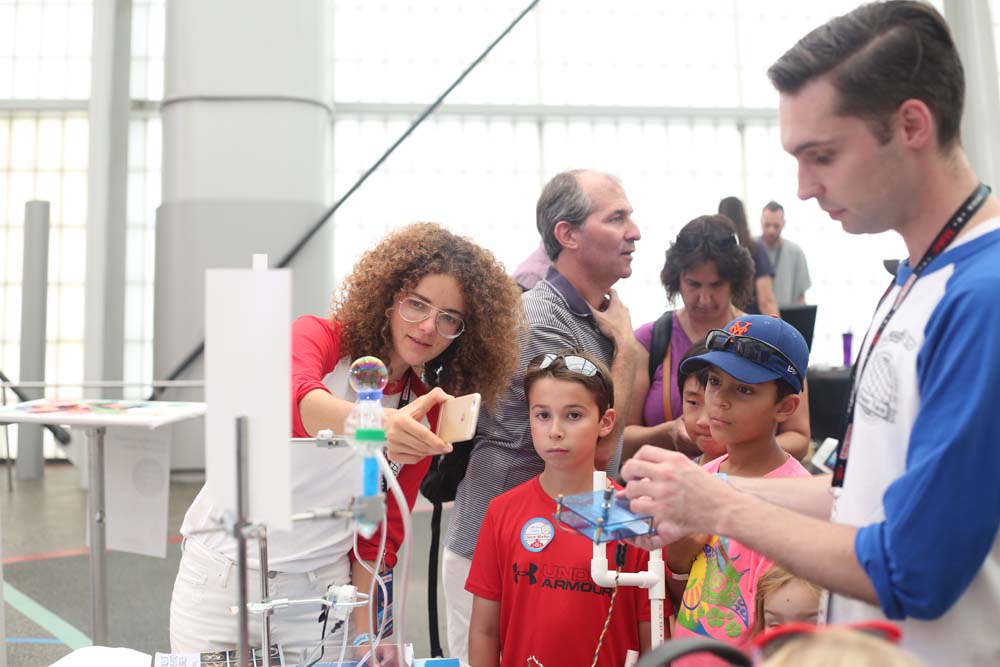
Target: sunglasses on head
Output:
[(692, 240), (576, 364), (769, 642), (751, 349)]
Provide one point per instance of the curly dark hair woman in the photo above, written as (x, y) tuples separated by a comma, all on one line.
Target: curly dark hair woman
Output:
[(483, 356), (444, 316)]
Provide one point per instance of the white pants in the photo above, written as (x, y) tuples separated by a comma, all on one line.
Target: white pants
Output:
[(454, 572), (207, 586)]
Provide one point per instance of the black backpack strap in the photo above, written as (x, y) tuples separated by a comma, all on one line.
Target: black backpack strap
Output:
[(662, 329), (432, 572)]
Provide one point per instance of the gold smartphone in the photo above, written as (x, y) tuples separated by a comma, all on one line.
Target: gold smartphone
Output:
[(458, 417)]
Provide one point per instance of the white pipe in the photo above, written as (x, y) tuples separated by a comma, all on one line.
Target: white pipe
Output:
[(657, 594), (653, 578)]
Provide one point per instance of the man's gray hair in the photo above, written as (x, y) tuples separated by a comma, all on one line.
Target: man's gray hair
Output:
[(562, 198)]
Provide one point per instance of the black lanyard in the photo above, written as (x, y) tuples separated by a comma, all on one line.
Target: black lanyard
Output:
[(404, 399), (940, 243)]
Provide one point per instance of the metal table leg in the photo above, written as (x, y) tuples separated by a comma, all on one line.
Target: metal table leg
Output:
[(98, 567)]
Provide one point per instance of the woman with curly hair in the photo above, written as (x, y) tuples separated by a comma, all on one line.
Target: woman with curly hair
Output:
[(443, 315), (713, 275)]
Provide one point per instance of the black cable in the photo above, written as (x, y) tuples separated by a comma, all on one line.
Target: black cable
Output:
[(291, 254), (322, 635)]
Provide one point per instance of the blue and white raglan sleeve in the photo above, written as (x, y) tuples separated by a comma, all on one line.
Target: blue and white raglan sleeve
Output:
[(943, 513)]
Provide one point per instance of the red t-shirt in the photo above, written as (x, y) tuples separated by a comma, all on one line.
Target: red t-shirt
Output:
[(539, 571), (315, 354)]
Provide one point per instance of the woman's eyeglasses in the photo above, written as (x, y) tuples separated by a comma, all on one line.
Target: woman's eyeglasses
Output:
[(575, 364), (414, 310), (692, 240), (771, 641), (752, 349)]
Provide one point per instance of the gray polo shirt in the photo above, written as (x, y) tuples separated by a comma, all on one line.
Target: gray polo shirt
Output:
[(503, 456)]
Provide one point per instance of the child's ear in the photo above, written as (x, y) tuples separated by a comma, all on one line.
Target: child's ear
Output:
[(608, 420), (786, 407)]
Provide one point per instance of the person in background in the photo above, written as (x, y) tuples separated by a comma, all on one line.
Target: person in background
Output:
[(692, 387), (791, 270), (763, 300), (533, 268), (442, 314), (713, 275)]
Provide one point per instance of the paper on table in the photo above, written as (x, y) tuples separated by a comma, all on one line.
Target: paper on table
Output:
[(137, 487)]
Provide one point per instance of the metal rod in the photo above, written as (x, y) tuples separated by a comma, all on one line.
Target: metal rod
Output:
[(98, 569), (265, 596), (9, 465), (243, 649)]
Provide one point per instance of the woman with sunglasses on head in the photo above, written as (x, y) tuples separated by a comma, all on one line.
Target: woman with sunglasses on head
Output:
[(442, 314), (713, 275)]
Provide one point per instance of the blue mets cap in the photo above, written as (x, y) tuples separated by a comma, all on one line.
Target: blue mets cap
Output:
[(756, 349)]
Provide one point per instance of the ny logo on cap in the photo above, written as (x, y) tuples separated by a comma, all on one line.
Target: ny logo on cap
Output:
[(740, 328)]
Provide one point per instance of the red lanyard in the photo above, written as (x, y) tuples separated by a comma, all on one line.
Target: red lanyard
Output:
[(941, 242)]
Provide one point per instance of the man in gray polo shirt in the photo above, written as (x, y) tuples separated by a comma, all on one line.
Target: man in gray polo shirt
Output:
[(585, 221)]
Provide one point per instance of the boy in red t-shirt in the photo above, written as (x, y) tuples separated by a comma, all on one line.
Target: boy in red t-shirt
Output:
[(534, 597)]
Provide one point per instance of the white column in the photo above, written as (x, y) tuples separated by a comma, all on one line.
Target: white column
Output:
[(34, 300), (107, 176), (246, 125), (972, 29)]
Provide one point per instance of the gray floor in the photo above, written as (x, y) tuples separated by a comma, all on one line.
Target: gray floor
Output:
[(43, 526)]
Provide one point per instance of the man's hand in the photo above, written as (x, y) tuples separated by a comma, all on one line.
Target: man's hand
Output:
[(407, 439), (615, 322), (681, 497)]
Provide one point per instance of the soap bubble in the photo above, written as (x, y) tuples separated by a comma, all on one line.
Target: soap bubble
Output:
[(368, 374)]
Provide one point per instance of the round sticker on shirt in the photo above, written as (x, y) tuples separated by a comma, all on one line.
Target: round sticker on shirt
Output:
[(537, 533)]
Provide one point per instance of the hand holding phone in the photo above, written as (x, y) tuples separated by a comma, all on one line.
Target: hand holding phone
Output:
[(458, 418)]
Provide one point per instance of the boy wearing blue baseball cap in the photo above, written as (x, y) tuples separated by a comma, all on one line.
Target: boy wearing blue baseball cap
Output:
[(756, 367)]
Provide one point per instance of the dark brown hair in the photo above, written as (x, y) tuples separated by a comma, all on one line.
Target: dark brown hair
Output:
[(733, 262), (485, 355), (877, 57), (599, 385), (732, 208)]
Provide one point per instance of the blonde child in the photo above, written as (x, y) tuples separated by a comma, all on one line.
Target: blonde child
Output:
[(784, 598)]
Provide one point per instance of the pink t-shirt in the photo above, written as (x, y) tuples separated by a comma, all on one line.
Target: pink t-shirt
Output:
[(718, 601)]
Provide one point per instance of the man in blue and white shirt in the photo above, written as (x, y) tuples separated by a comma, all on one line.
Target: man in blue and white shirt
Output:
[(870, 108)]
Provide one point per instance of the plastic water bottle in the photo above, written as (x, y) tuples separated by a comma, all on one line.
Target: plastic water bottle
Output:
[(363, 428)]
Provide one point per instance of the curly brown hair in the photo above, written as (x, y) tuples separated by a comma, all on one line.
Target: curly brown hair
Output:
[(485, 355), (704, 241)]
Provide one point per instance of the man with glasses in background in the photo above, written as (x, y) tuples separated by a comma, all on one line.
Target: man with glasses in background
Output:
[(586, 225), (870, 107)]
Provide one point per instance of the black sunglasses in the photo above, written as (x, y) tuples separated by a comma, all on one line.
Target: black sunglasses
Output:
[(751, 349), (576, 364), (693, 240)]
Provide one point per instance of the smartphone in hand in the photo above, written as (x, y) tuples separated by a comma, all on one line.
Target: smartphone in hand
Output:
[(458, 417)]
